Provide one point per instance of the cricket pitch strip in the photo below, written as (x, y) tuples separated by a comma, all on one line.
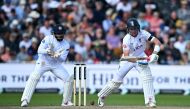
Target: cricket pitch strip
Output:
[(93, 107)]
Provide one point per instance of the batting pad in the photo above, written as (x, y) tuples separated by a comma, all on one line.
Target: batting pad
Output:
[(147, 82), (30, 86), (68, 90), (108, 88)]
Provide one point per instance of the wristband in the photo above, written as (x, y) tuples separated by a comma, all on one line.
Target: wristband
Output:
[(156, 49)]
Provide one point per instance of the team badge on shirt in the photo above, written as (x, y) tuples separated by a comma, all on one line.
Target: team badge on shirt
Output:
[(139, 39)]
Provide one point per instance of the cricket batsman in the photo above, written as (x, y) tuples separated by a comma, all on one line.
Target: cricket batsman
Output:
[(52, 51), (134, 44)]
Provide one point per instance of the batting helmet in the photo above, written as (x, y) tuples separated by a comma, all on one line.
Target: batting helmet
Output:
[(58, 31), (133, 26), (133, 23)]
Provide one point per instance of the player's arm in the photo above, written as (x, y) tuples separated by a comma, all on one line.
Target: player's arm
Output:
[(62, 53), (126, 48), (154, 57), (156, 45), (44, 46), (63, 56), (126, 51)]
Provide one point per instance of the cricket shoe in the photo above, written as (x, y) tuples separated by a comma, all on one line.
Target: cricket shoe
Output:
[(69, 103), (101, 101), (24, 103), (151, 105)]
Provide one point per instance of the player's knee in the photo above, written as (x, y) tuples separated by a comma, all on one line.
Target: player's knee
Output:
[(70, 78), (117, 79), (146, 74), (115, 84), (119, 76)]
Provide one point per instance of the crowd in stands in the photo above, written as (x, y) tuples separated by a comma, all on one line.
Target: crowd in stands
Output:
[(96, 28)]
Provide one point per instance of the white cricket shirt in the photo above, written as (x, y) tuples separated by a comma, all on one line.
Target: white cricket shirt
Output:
[(136, 45), (56, 46)]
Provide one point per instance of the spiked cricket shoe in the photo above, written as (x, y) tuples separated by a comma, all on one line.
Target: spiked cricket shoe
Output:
[(24, 103), (151, 105), (69, 103), (100, 101)]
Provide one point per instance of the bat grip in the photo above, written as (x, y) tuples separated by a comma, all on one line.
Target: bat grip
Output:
[(148, 58)]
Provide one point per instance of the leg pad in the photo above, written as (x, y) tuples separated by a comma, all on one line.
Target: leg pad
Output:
[(109, 87)]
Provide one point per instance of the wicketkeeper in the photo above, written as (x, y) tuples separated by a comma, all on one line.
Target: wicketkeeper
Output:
[(134, 44), (52, 51)]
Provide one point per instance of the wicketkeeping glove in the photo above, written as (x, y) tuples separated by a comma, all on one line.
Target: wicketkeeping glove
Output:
[(49, 51), (58, 54), (153, 58)]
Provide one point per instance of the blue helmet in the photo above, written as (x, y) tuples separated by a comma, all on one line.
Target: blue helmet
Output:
[(133, 23), (133, 27), (58, 31)]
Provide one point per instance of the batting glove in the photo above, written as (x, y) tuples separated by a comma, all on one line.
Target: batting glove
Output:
[(153, 58)]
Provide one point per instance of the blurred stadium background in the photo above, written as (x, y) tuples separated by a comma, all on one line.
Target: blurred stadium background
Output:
[(96, 29)]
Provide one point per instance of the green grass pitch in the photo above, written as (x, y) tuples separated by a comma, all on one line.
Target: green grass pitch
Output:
[(53, 99)]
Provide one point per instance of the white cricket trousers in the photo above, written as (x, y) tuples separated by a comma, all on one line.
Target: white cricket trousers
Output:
[(145, 76), (57, 69)]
